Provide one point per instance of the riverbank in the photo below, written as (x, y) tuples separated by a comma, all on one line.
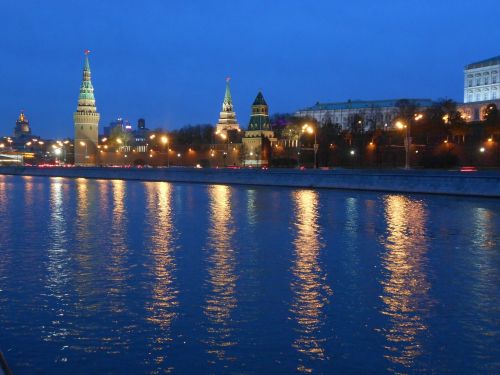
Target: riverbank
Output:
[(484, 184)]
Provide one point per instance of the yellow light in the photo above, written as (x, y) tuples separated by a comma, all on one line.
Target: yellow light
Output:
[(152, 136), (106, 147), (104, 139), (400, 125), (28, 144), (82, 143), (164, 140), (41, 142), (445, 141), (2, 145), (119, 140), (223, 136), (418, 116), (490, 139)]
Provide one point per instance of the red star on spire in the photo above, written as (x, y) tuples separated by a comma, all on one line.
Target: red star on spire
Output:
[(86, 52)]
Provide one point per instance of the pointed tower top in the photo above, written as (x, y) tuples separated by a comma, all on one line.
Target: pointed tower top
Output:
[(227, 105), (86, 100), (259, 99)]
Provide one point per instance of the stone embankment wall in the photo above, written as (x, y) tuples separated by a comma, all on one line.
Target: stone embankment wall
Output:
[(486, 184)]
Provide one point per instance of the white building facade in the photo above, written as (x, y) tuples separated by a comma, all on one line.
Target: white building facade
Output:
[(481, 81)]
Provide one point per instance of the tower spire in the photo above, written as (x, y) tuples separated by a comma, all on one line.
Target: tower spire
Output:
[(86, 99), (227, 105)]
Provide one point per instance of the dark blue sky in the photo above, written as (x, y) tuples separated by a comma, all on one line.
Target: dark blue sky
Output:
[(166, 61)]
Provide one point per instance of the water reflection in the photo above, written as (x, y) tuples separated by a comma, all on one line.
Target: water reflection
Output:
[(162, 307), (221, 298), (310, 292), (405, 285), (58, 273), (118, 255)]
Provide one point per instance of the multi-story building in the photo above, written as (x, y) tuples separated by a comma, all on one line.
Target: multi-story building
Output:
[(481, 80), (481, 88), (372, 113)]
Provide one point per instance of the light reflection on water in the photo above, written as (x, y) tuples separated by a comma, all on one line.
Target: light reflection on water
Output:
[(130, 277), (162, 308), (221, 282), (405, 287), (310, 291)]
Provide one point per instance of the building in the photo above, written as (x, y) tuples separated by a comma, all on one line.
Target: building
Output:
[(141, 136), (374, 114), (86, 120), (259, 138), (22, 128), (227, 118), (481, 80), (120, 124), (481, 88)]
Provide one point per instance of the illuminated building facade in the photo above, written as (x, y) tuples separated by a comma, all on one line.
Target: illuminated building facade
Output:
[(259, 138), (481, 81), (86, 120)]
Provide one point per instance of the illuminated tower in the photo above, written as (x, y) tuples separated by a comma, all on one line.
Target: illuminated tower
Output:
[(259, 138), (22, 128), (86, 121), (227, 118)]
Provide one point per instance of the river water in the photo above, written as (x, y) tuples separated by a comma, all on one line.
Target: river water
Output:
[(150, 277)]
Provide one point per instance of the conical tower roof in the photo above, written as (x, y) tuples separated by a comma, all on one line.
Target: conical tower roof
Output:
[(227, 104), (86, 99), (259, 100)]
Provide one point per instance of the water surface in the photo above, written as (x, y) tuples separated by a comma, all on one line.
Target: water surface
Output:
[(142, 277)]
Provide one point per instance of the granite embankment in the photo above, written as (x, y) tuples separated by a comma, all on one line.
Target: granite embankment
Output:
[(486, 184)]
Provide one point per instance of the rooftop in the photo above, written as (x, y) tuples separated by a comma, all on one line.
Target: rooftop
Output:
[(360, 104), (480, 64)]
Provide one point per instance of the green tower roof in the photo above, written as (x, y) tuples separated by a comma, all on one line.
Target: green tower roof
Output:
[(259, 100)]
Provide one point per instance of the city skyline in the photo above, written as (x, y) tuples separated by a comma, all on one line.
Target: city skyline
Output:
[(172, 73)]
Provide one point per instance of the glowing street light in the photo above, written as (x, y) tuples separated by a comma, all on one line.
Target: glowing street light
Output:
[(306, 128), (164, 141), (84, 144)]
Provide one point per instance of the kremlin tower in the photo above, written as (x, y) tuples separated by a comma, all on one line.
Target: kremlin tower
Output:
[(259, 138), (227, 118), (86, 119)]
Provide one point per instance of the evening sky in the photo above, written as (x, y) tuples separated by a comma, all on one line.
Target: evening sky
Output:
[(167, 61)]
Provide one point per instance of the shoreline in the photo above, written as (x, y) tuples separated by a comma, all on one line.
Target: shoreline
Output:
[(474, 184)]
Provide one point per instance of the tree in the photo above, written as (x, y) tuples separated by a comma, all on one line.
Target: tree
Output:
[(492, 119)]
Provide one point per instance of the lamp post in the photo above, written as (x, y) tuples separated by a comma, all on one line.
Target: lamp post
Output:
[(406, 126), (164, 141), (82, 143), (306, 128)]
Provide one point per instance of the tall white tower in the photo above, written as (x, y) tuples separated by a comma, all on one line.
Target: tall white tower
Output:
[(86, 121)]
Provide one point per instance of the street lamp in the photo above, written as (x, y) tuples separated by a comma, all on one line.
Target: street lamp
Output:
[(84, 144), (226, 139), (306, 128), (402, 125), (164, 141)]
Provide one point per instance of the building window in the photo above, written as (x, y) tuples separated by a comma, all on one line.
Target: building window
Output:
[(494, 95), (486, 80), (478, 97), (494, 79), (470, 97), (470, 82), (478, 81)]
